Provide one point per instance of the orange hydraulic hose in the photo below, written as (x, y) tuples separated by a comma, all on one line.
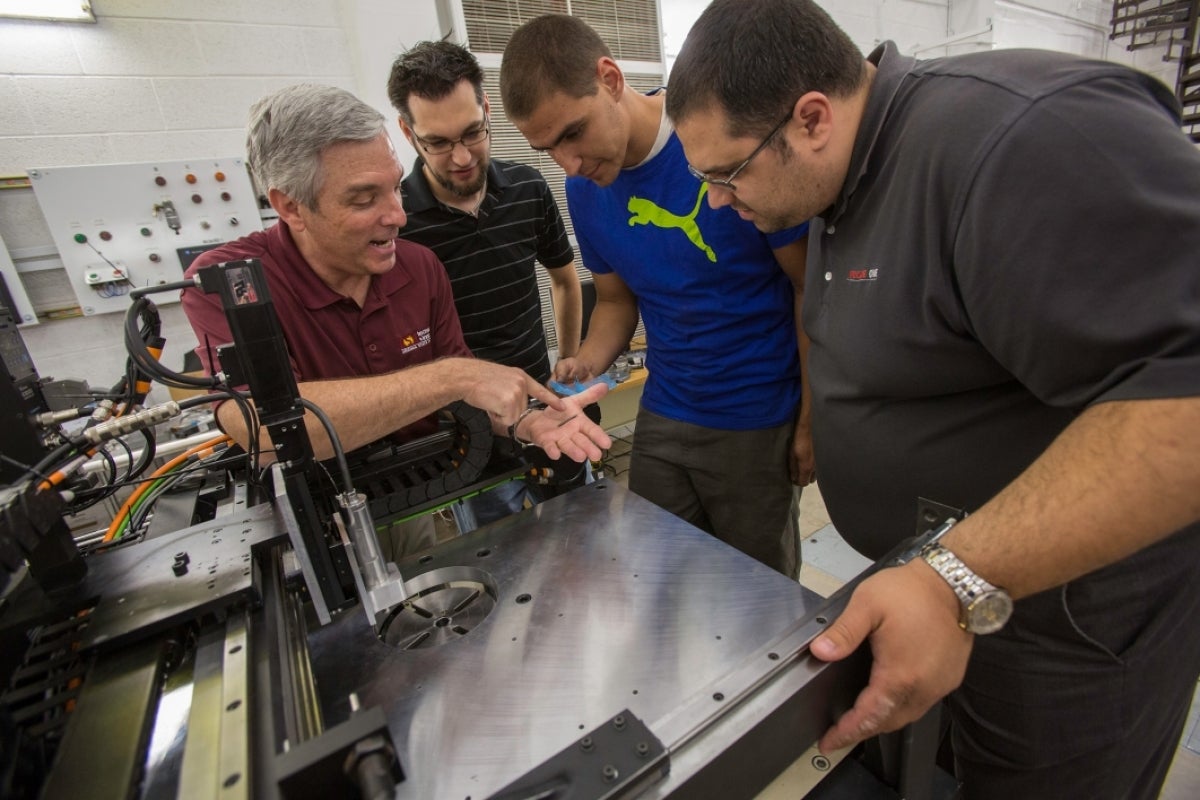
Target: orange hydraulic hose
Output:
[(146, 482)]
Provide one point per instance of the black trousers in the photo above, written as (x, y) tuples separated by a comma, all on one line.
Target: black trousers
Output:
[(1085, 693)]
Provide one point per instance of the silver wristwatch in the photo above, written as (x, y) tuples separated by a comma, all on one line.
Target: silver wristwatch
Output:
[(985, 608)]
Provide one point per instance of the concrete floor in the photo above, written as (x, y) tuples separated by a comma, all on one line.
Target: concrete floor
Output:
[(828, 563)]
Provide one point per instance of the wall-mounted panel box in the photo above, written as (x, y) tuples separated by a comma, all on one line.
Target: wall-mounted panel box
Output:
[(121, 226)]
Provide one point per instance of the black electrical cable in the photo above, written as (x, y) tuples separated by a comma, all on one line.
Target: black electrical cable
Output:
[(207, 399), (138, 311), (56, 456), (128, 455), (22, 466), (111, 462), (148, 452), (87, 498), (135, 344), (249, 419), (162, 287), (334, 441), (151, 335), (119, 391)]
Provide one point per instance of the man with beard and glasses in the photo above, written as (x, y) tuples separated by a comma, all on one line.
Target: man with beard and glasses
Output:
[(369, 319), (488, 221)]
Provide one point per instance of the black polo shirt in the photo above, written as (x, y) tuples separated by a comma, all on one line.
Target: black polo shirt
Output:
[(490, 259), (1016, 240)]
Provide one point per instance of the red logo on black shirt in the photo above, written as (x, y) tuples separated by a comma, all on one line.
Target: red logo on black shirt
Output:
[(863, 274)]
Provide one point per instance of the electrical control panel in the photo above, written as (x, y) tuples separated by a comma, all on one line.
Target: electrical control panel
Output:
[(124, 226)]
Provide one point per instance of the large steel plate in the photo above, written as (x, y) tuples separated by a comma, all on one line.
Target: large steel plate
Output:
[(602, 602)]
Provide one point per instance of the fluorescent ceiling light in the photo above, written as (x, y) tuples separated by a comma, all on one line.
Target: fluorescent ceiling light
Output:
[(63, 10)]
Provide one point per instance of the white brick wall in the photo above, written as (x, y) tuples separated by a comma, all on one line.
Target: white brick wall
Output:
[(164, 80), (163, 67)]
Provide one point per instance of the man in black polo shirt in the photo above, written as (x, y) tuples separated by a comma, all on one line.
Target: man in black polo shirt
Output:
[(1003, 303), (488, 221)]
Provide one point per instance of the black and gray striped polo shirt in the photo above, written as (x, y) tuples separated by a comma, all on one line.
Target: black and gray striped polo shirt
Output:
[(490, 259)]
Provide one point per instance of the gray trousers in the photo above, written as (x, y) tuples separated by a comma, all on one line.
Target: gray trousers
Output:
[(402, 539), (732, 484), (1085, 693)]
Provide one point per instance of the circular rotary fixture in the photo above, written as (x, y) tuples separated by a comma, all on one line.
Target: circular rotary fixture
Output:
[(450, 608)]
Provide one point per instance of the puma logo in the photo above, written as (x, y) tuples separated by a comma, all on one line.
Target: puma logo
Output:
[(645, 212)]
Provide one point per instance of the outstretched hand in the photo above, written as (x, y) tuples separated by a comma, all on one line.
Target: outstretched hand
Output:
[(568, 431), (569, 370), (910, 616), (503, 392)]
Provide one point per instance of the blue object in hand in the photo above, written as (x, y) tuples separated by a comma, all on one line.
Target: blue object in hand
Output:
[(576, 387)]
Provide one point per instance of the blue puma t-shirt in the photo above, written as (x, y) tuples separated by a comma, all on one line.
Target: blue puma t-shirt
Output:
[(718, 309)]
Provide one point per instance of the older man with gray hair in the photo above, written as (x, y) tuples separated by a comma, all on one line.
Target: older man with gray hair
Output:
[(369, 318)]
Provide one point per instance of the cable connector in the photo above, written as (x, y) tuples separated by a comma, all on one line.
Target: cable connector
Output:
[(48, 418), (209, 279), (103, 411), (147, 418)]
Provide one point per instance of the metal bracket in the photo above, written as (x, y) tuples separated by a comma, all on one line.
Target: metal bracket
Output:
[(618, 759)]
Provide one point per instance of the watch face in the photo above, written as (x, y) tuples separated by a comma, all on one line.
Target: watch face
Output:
[(989, 612)]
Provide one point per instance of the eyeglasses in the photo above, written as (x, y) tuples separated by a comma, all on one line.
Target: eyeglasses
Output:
[(442, 146), (727, 182)]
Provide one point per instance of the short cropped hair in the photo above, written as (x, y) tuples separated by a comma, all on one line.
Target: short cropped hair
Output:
[(549, 54), (754, 58), (291, 128), (431, 70)]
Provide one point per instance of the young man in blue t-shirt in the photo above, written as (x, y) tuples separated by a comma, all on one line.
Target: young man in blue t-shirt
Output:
[(721, 435)]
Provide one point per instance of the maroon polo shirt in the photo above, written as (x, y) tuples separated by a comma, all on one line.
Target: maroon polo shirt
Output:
[(408, 317)]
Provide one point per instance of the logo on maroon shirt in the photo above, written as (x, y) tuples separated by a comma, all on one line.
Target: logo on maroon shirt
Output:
[(863, 274), (410, 342)]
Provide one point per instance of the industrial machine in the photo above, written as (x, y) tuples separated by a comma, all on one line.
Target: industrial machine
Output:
[(258, 646)]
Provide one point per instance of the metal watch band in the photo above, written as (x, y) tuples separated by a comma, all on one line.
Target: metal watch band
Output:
[(966, 584)]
